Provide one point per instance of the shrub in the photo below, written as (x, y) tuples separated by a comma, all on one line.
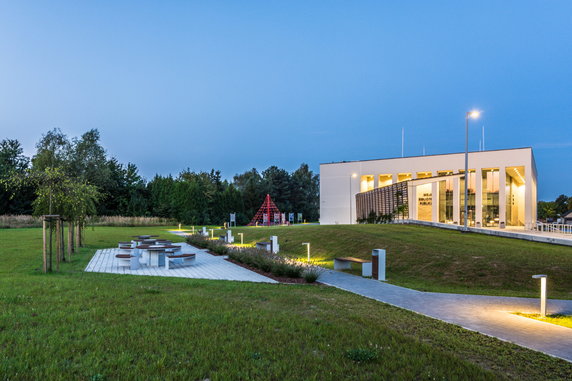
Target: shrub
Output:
[(267, 262), (311, 274), (197, 240), (279, 268), (294, 271)]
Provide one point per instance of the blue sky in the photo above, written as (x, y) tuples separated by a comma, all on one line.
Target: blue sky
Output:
[(241, 84)]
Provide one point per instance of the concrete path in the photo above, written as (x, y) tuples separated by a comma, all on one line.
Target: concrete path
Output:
[(207, 266), (490, 315)]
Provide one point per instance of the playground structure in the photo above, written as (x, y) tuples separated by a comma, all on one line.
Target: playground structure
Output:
[(268, 214)]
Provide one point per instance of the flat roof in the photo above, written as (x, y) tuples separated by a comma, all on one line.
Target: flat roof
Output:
[(437, 154)]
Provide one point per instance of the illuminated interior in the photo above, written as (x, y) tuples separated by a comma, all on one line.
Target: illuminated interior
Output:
[(424, 175), (446, 201), (471, 201), (366, 183), (490, 187), (424, 202), (515, 196), (403, 177), (385, 180)]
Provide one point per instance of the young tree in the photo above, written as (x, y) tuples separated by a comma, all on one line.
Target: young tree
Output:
[(53, 150), (13, 161)]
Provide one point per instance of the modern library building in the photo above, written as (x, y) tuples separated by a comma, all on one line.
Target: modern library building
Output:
[(501, 189)]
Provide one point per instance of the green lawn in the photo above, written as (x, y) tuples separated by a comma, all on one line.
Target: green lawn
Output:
[(432, 259), (88, 326)]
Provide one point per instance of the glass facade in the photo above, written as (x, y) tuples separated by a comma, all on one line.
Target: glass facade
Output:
[(472, 198), (515, 196), (424, 202), (450, 194), (490, 187), (446, 201)]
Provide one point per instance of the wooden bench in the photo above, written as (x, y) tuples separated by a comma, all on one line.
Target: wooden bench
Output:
[(182, 259), (345, 263)]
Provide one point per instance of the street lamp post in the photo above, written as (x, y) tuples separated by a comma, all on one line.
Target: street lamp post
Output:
[(470, 114)]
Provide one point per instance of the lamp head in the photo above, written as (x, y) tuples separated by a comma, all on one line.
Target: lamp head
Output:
[(474, 114), (354, 175)]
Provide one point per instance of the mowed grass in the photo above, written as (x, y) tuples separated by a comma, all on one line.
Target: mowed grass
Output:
[(88, 326), (432, 259)]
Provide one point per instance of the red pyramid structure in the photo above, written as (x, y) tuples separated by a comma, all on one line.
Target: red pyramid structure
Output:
[(269, 208)]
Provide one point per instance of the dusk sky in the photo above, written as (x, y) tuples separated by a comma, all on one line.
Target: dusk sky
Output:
[(242, 84)]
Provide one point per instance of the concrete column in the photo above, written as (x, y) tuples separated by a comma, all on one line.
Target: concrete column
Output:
[(375, 181), (528, 198), (478, 197), (394, 178), (435, 201), (502, 196), (353, 188), (456, 200)]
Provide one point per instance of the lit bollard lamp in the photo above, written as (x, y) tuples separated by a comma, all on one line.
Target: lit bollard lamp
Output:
[(308, 245), (542, 278)]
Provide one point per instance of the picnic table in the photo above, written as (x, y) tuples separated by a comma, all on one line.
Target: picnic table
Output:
[(156, 253)]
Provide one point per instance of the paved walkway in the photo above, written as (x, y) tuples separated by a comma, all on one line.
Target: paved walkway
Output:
[(206, 266), (490, 315)]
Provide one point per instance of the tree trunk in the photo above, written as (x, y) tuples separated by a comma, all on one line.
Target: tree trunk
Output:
[(58, 244), (70, 239), (50, 245), (62, 240), (45, 249), (78, 234)]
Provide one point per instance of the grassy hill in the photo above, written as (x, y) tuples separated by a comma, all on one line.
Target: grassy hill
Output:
[(89, 326), (432, 259)]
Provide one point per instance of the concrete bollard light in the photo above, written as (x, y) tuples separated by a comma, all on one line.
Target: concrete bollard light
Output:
[(542, 278), (308, 245), (241, 238), (378, 263)]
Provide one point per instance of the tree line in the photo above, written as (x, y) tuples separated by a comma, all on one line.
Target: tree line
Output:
[(77, 174), (551, 210)]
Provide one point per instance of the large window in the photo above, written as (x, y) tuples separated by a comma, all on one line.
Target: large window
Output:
[(424, 175), (366, 183), (490, 185), (515, 196), (471, 201), (446, 201), (424, 202), (385, 180), (403, 177)]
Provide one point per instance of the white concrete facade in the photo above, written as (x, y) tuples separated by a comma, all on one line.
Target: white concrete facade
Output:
[(503, 187)]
